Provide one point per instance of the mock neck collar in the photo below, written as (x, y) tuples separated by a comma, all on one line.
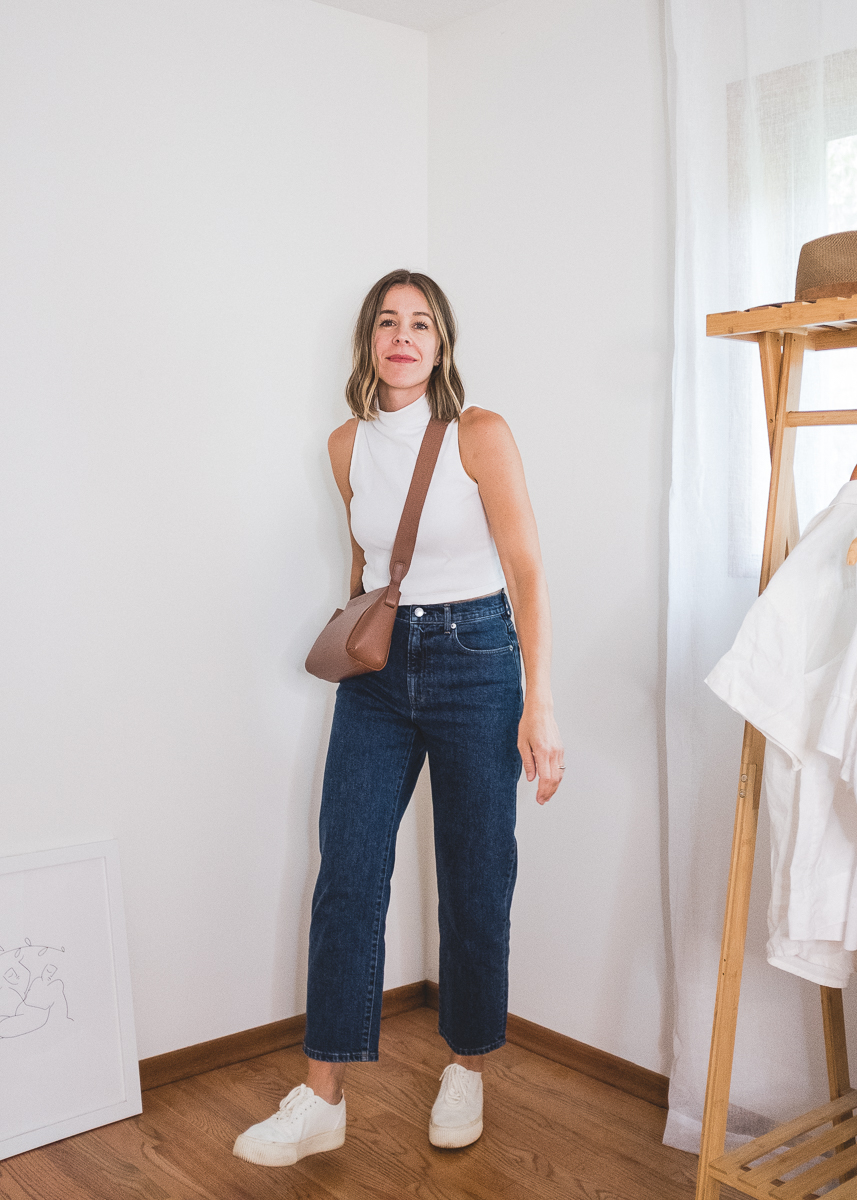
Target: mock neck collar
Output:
[(415, 415)]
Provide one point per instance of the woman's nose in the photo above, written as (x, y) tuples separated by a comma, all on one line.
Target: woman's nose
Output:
[(402, 337)]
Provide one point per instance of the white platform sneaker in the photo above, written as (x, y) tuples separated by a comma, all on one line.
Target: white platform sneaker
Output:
[(303, 1124), (456, 1118)]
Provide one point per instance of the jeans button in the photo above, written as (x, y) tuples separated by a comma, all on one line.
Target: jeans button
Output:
[(418, 612)]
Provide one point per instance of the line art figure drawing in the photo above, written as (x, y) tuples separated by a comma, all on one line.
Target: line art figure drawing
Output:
[(31, 991), (68, 1052)]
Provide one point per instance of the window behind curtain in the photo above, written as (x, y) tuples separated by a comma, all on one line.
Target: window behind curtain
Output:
[(792, 157)]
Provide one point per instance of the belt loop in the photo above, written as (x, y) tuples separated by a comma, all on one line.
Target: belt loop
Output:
[(447, 618)]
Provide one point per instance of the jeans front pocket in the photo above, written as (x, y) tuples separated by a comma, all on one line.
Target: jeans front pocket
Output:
[(493, 635)]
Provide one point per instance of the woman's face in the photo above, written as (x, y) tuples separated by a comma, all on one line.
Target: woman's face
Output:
[(407, 345)]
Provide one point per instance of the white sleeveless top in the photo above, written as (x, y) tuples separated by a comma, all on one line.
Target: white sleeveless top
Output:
[(454, 557)]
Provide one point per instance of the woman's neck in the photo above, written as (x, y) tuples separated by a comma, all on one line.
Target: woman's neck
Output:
[(394, 399)]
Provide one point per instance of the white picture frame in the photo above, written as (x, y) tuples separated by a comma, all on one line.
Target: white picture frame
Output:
[(68, 1049)]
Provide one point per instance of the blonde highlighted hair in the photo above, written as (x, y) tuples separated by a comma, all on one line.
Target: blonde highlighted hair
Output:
[(444, 391)]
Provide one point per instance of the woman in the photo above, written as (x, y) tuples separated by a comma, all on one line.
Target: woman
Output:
[(451, 689)]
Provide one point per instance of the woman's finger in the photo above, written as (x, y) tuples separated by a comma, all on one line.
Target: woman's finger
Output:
[(527, 758), (551, 776)]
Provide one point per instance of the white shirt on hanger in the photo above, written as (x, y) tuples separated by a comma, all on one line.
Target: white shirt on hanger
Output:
[(792, 673)]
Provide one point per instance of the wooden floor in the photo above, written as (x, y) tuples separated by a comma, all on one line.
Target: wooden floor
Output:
[(549, 1133)]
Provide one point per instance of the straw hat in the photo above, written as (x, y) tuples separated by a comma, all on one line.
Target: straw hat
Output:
[(828, 267)]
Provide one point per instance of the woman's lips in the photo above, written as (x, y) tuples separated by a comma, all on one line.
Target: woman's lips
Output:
[(400, 358)]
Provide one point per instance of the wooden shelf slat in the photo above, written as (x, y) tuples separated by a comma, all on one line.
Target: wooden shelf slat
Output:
[(815, 1177), (845, 1191), (792, 317), (759, 1147), (775, 1168), (822, 416), (830, 338), (818, 337)]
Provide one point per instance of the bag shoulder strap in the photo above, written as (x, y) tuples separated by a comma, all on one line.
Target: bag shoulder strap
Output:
[(406, 534)]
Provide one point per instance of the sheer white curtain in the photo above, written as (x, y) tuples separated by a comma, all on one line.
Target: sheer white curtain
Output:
[(763, 107)]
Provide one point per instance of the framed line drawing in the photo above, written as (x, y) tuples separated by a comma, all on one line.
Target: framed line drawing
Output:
[(68, 1050)]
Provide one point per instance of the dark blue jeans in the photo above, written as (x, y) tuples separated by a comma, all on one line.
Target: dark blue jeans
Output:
[(451, 689)]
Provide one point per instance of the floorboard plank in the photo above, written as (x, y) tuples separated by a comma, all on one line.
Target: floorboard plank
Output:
[(91, 1166), (35, 1178), (550, 1134), (227, 1177)]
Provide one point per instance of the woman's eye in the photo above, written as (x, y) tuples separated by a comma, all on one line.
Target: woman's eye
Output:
[(385, 322), (420, 325)]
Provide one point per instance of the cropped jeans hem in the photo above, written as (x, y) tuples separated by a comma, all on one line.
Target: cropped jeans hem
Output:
[(357, 1056), (468, 1053)]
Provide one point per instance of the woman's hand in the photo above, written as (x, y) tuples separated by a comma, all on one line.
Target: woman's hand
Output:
[(540, 747)]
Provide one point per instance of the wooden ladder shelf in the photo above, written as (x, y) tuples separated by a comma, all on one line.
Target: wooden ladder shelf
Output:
[(784, 332)]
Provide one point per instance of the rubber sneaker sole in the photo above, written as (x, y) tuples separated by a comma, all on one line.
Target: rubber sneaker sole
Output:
[(452, 1138), (283, 1154)]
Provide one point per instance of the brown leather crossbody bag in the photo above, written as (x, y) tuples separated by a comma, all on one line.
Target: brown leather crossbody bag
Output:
[(357, 638)]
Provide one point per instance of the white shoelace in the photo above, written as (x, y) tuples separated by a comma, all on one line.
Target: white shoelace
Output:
[(454, 1080), (290, 1105)]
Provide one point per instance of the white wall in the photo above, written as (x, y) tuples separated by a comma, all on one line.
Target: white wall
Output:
[(195, 195), (548, 224)]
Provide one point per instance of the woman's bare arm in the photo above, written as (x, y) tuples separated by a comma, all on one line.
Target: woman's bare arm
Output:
[(490, 457), (339, 446)]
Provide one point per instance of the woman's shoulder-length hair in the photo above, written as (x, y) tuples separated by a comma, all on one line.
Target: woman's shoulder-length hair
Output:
[(445, 391)]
